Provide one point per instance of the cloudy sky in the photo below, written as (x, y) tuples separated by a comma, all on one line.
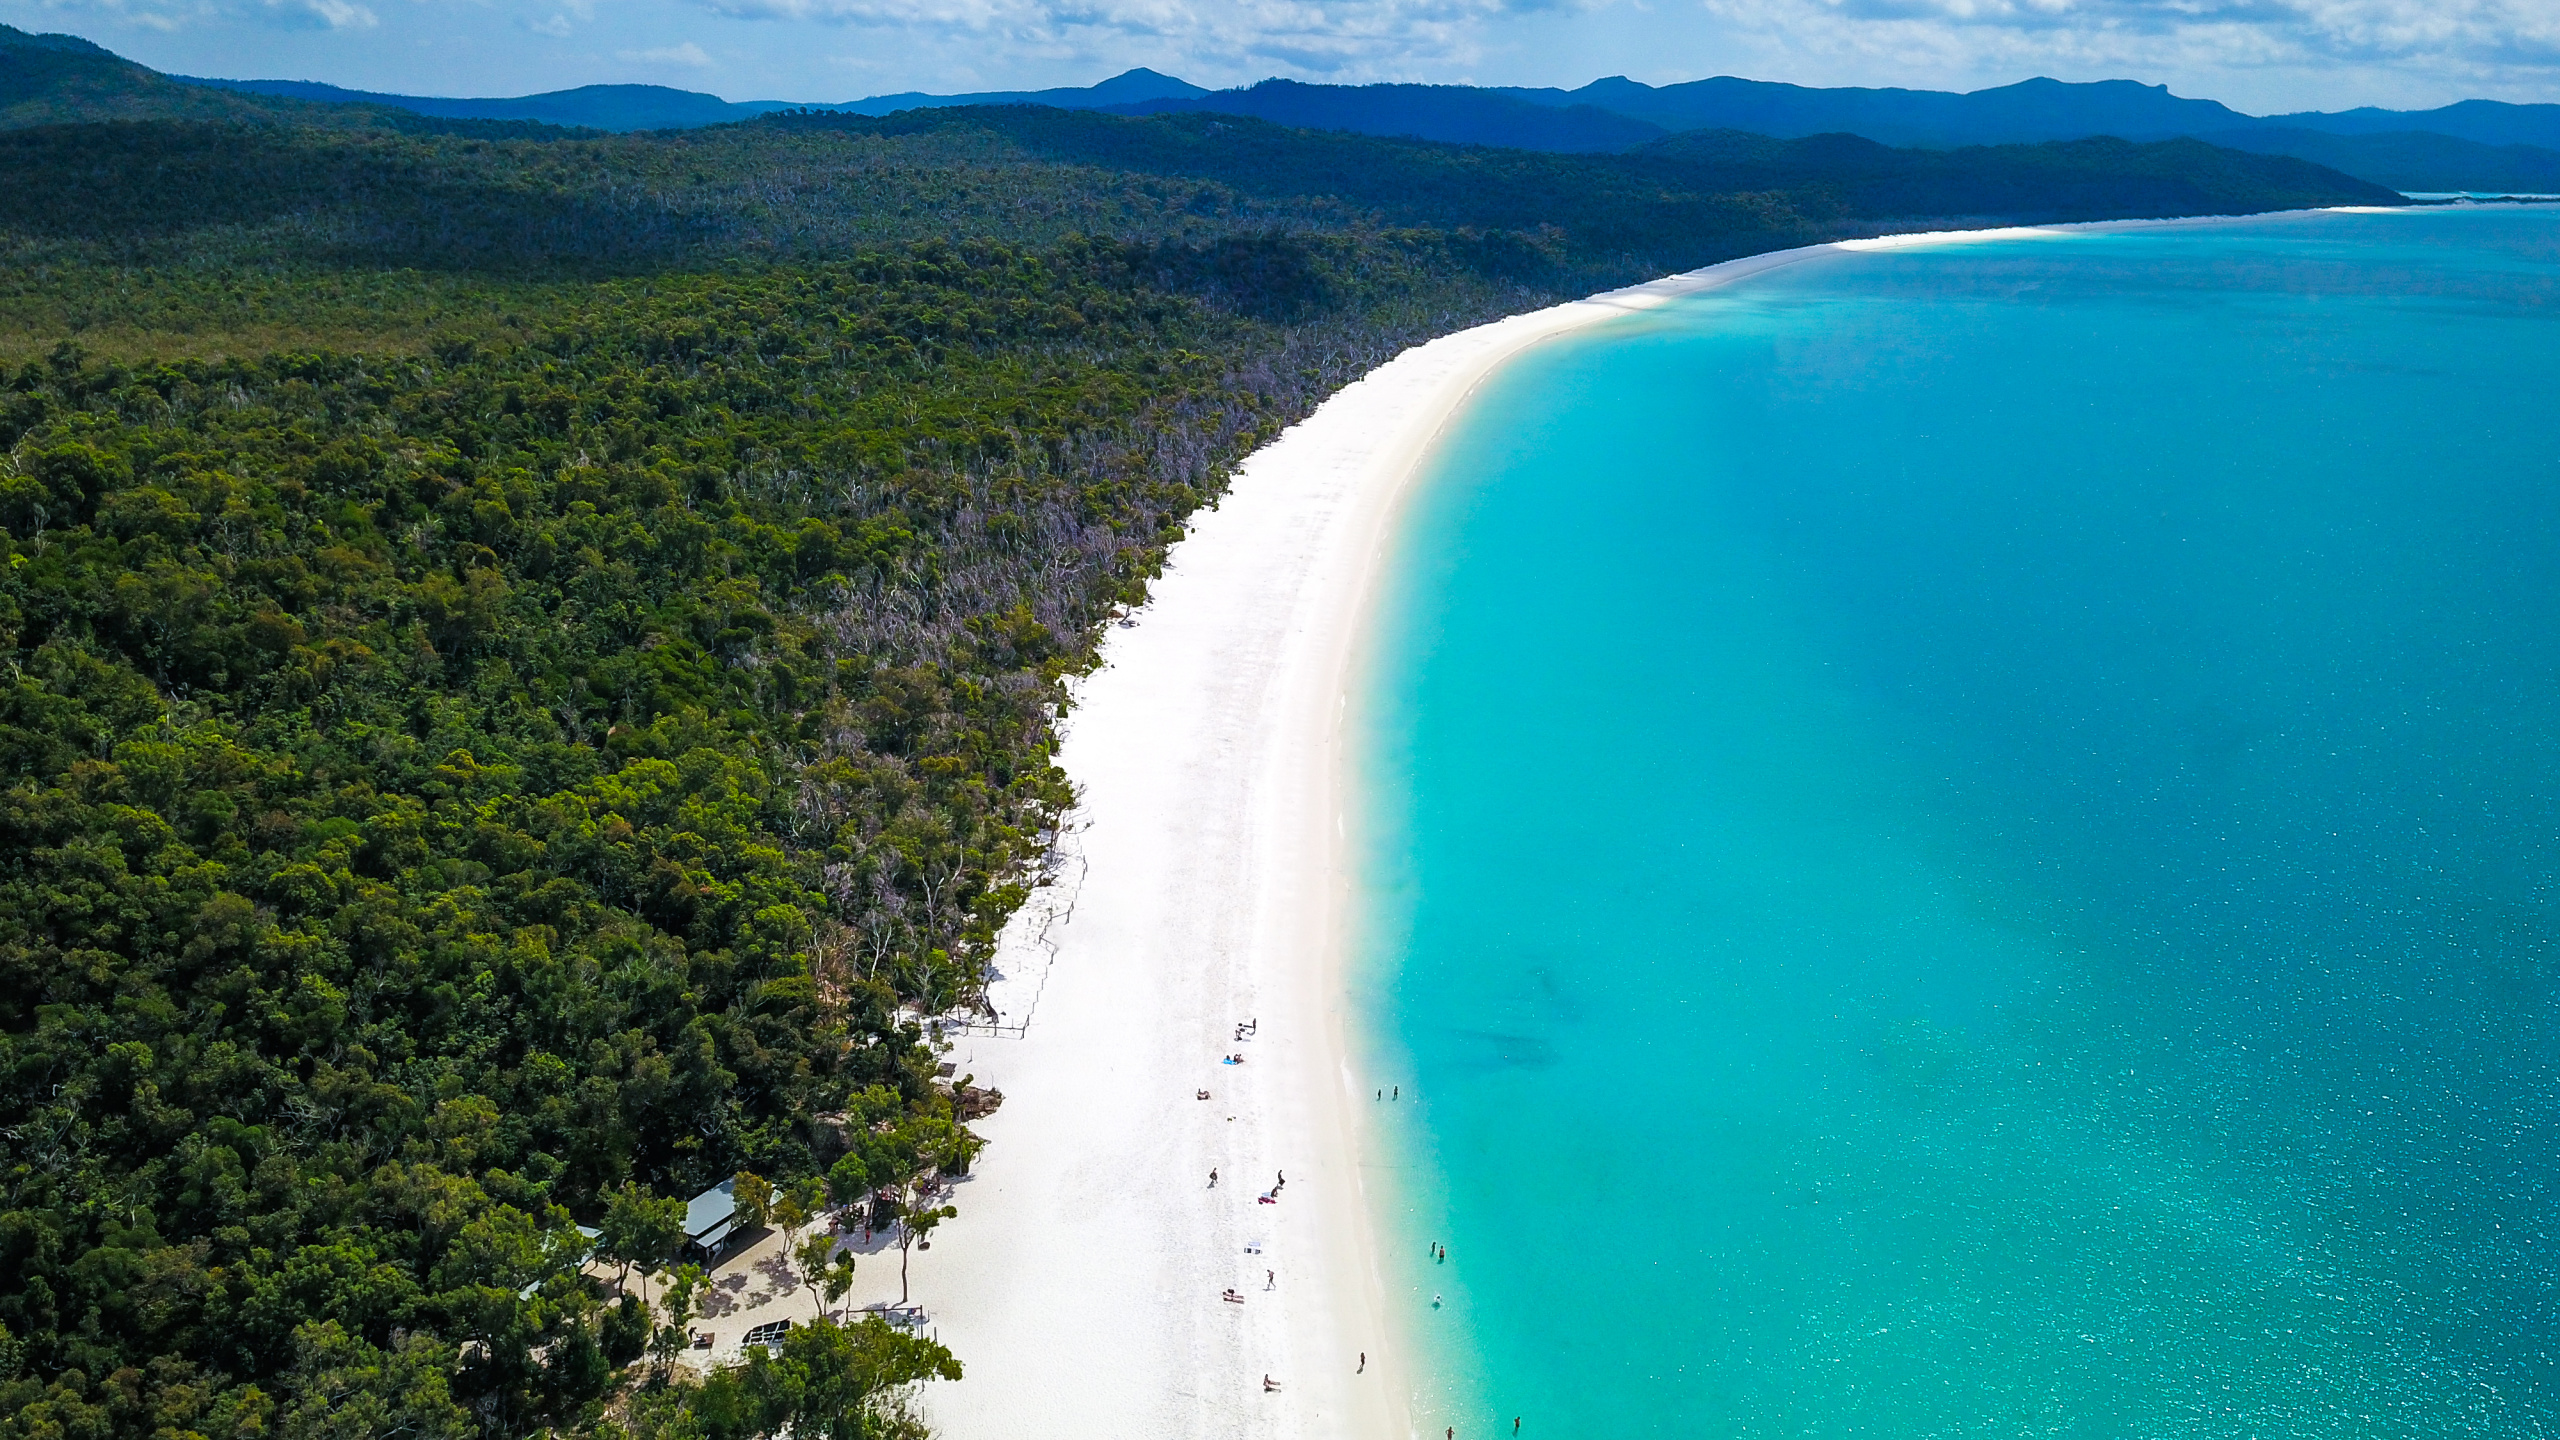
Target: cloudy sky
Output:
[(2257, 55)]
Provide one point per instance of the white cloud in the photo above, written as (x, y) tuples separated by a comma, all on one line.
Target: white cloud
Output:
[(687, 54), (333, 14), (557, 27), (169, 16), (2504, 42)]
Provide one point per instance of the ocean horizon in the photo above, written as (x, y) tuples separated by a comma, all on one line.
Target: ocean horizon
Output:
[(1960, 840)]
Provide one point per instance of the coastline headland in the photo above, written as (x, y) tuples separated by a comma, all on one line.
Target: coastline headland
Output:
[(1085, 1283)]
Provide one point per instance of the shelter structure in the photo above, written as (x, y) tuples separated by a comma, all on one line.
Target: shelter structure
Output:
[(711, 1218)]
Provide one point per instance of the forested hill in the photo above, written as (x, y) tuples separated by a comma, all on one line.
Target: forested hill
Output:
[(48, 79), (531, 660), (487, 194)]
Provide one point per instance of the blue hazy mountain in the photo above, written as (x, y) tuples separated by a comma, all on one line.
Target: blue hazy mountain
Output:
[(1126, 88), (661, 107), (2029, 111), (2474, 145), (597, 107), (2486, 122)]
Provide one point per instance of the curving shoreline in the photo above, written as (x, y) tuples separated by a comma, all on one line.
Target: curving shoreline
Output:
[(1081, 1284)]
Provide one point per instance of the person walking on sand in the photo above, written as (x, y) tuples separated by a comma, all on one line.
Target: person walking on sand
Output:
[(1364, 1364), (1270, 1279), (1213, 1177)]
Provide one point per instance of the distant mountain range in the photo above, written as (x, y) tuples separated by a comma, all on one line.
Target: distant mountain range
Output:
[(657, 107), (2028, 111), (593, 107), (2476, 145), (1129, 87)]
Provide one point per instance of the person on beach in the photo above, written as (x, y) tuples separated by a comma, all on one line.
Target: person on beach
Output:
[(1269, 1384), (1270, 1279), (1213, 1177), (1364, 1364)]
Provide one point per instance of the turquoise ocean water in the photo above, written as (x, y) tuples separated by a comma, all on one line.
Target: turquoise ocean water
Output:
[(1966, 841)]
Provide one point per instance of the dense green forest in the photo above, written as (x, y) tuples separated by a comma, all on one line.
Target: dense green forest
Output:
[(531, 665)]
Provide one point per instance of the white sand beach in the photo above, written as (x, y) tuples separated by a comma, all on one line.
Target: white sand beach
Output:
[(1205, 886)]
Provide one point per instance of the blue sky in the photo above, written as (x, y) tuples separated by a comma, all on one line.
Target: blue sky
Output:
[(2257, 55)]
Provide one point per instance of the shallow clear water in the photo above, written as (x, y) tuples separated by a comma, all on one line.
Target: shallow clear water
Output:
[(1963, 841)]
